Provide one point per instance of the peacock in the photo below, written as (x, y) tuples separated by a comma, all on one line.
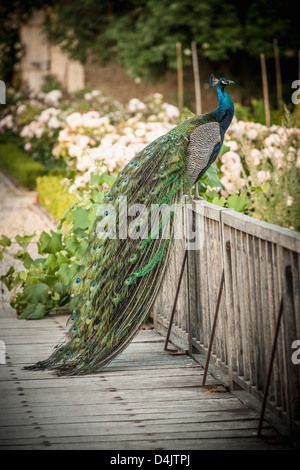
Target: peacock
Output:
[(124, 264)]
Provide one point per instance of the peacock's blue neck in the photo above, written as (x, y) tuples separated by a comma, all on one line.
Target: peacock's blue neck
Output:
[(224, 112)]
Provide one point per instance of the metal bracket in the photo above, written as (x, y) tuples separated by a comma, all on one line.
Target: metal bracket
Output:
[(213, 329), (175, 351), (264, 403)]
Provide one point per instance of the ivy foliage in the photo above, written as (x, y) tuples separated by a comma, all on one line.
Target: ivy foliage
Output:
[(42, 285)]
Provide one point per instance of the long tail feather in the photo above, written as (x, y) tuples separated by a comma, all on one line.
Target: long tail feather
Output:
[(121, 276)]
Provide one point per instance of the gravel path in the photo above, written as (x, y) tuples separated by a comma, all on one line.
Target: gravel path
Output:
[(19, 214)]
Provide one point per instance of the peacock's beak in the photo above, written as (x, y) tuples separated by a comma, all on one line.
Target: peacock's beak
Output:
[(230, 81)]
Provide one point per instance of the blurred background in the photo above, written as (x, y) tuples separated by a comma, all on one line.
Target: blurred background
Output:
[(128, 48)]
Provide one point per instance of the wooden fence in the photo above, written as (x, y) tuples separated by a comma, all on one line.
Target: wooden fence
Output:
[(261, 291)]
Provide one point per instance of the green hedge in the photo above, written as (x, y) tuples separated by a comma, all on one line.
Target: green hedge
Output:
[(53, 195), (19, 165)]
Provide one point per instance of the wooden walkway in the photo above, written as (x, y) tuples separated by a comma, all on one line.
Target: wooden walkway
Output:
[(146, 399)]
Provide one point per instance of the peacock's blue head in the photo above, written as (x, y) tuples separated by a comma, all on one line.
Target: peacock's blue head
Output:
[(221, 82)]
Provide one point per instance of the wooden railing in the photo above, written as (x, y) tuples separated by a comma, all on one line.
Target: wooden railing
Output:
[(259, 298)]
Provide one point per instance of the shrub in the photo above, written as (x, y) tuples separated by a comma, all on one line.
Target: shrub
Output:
[(54, 196), (18, 164), (43, 283)]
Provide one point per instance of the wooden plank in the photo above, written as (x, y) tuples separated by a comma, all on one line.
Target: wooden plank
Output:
[(260, 365), (239, 281), (210, 211), (270, 232), (205, 268), (263, 312), (158, 418), (228, 440), (249, 307), (211, 275), (282, 350), (289, 326), (110, 429), (229, 301), (117, 406), (278, 362), (273, 233), (199, 274)]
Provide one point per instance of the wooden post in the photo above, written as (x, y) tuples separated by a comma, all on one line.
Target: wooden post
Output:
[(180, 76), (265, 88), (278, 74), (297, 106), (196, 78)]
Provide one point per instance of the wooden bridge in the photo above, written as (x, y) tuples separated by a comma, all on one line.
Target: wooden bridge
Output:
[(238, 303), (147, 399), (237, 310)]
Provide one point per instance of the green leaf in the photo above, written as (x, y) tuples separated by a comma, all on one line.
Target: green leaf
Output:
[(80, 218), (37, 293), (5, 241), (22, 256), (27, 311), (211, 178), (265, 187), (80, 233), (201, 187), (61, 258), (93, 213), (66, 273), (212, 194), (99, 197), (39, 312), (50, 244), (23, 275), (32, 277), (25, 240), (34, 312), (109, 179), (219, 201), (237, 203), (96, 179), (60, 288), (51, 262), (8, 279), (223, 150), (65, 215), (28, 262), (256, 188), (55, 296), (75, 247)]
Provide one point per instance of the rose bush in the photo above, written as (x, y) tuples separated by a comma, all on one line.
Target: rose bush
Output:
[(263, 163), (91, 137), (89, 131)]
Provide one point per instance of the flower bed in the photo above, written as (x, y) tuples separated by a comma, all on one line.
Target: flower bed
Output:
[(89, 132), (263, 163)]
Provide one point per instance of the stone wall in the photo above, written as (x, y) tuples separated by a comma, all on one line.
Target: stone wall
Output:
[(41, 59), (114, 80)]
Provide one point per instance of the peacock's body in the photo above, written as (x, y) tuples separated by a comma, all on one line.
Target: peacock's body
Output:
[(126, 257)]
